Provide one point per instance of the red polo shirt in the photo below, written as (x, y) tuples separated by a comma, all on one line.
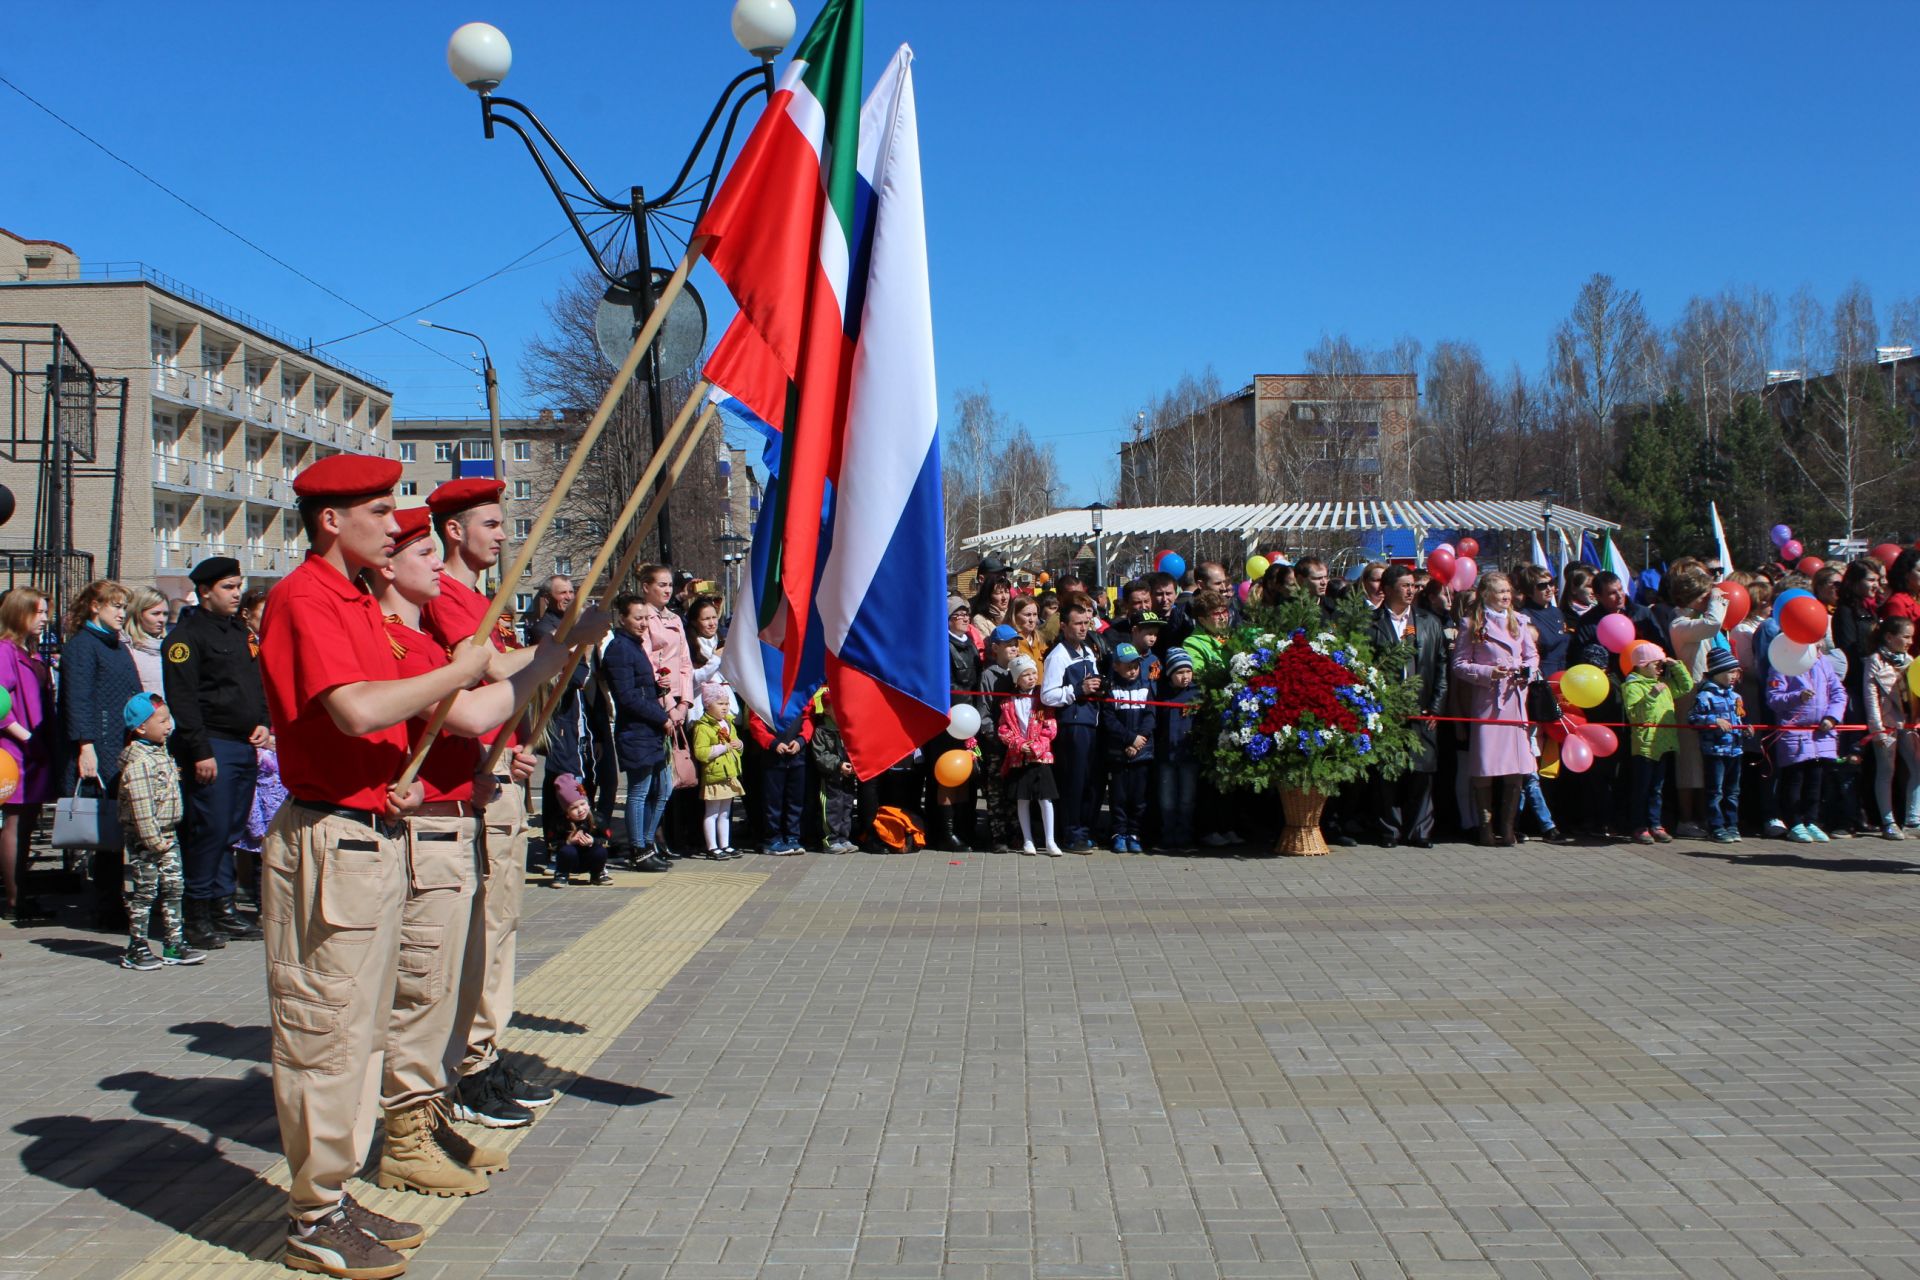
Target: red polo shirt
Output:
[(451, 761), (322, 632), (455, 614)]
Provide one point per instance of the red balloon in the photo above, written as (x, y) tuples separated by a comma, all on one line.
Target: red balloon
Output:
[(1886, 553), (1804, 620), (1467, 547), (1558, 730), (1739, 604), (1600, 739), (1791, 550), (1440, 564), (1810, 565)]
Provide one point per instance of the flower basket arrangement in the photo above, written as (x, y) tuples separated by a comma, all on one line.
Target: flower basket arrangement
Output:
[(1305, 706)]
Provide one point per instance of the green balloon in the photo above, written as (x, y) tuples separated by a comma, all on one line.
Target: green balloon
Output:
[(6, 704)]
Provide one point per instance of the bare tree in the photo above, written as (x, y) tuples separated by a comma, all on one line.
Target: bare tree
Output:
[(1603, 356), (1461, 424), (564, 367), (1341, 438), (1845, 439), (1719, 353), (995, 474)]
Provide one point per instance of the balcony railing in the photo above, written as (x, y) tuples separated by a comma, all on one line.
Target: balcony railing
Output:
[(198, 475), (178, 554), (197, 388)]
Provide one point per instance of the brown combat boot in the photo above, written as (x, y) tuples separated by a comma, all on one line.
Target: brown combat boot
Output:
[(412, 1161), (457, 1145)]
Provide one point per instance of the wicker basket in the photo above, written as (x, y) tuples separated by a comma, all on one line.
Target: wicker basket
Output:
[(1301, 837)]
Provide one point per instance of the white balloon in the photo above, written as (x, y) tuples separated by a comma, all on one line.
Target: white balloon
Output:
[(963, 722), (1789, 657)]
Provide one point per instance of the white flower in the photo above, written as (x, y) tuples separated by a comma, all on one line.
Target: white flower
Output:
[(1264, 640), (1242, 665)]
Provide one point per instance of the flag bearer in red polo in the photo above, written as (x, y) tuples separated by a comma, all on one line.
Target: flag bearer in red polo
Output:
[(333, 866), (423, 1151), (472, 529)]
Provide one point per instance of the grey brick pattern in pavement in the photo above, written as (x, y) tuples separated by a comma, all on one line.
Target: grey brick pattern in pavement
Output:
[(1536, 1064)]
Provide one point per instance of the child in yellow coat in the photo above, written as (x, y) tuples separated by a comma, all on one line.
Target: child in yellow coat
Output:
[(716, 752)]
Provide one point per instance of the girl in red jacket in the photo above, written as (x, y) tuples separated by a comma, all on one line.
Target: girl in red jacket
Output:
[(1027, 728)]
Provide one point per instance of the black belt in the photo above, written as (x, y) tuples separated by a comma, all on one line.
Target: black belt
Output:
[(380, 822)]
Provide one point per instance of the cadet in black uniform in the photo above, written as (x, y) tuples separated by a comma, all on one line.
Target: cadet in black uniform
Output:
[(220, 716)]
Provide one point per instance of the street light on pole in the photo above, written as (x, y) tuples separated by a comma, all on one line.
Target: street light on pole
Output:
[(620, 243), (493, 394), (1098, 510)]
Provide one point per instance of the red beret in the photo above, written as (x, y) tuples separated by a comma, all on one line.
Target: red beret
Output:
[(347, 475), (415, 522), (455, 496)]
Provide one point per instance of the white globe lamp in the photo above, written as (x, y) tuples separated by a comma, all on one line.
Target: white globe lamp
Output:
[(479, 56), (763, 27)]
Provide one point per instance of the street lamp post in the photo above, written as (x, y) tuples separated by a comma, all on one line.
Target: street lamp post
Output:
[(733, 549), (480, 57), (1547, 497), (1098, 510), (493, 394)]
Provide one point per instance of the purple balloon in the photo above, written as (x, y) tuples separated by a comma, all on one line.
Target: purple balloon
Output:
[(1782, 535)]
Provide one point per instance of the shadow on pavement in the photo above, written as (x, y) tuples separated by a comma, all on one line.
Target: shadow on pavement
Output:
[(239, 1110), (219, 1040), (151, 1169), (610, 1092), (1885, 866), (540, 1022), (106, 952)]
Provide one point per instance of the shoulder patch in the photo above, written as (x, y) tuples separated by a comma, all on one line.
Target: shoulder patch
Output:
[(178, 651)]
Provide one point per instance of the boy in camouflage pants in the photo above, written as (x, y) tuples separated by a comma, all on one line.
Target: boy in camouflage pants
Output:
[(150, 811)]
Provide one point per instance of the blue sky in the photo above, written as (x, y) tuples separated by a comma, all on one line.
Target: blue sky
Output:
[(1117, 192)]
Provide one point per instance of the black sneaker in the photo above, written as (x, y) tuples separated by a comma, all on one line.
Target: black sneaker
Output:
[(479, 1099), (139, 955), (518, 1088), (334, 1246), (561, 882), (602, 877), (391, 1232), (181, 953)]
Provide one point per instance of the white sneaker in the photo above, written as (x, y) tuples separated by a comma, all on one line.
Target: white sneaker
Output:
[(1214, 840), (1028, 848), (1053, 850), (1231, 837)]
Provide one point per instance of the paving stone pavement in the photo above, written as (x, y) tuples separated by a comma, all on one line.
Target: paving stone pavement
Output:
[(1688, 1061)]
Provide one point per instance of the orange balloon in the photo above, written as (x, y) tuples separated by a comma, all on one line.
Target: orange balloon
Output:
[(950, 770), (1046, 577), (9, 776)]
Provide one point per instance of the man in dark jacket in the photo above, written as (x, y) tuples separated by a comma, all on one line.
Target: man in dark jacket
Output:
[(220, 716), (952, 812), (639, 728), (1403, 807)]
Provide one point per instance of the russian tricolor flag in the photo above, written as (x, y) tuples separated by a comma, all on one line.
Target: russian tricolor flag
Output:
[(820, 233)]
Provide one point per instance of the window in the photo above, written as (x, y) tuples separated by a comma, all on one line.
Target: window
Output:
[(563, 565), (523, 490), (476, 451), (523, 529), (407, 452), (522, 602), (562, 526), (166, 346), (443, 451), (290, 527), (562, 450), (522, 451), (409, 488)]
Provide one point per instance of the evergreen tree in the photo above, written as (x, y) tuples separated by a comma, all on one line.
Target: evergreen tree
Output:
[(1664, 478)]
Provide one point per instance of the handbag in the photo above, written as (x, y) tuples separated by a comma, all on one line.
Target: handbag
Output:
[(82, 821), (684, 774)]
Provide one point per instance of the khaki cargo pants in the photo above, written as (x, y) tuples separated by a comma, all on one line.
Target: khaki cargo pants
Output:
[(332, 892), (442, 876), (486, 986)]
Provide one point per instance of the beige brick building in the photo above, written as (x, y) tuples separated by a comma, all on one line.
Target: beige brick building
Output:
[(222, 410)]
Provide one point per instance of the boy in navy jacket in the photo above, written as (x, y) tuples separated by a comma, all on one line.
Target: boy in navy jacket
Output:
[(1176, 764), (1126, 735)]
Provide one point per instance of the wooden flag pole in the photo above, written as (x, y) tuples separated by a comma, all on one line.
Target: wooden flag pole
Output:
[(604, 555), (571, 472), (645, 527)]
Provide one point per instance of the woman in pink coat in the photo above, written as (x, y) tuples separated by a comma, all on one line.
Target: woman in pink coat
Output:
[(30, 735), (1494, 660)]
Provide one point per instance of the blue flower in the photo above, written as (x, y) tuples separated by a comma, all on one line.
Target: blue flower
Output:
[(1259, 746), (1362, 743), (1340, 656)]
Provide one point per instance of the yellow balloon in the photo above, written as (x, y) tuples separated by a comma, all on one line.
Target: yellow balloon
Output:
[(1257, 567), (1585, 686), (1913, 678), (950, 770)]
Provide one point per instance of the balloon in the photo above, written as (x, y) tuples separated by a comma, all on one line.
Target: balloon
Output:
[(1242, 590), (1585, 685), (1465, 574), (1447, 547), (1576, 753), (1739, 604), (1600, 740), (1550, 759), (1440, 563), (950, 770), (1045, 578), (1257, 567), (6, 704), (1804, 621), (1641, 651), (1791, 550), (1559, 729), (1782, 535), (1467, 547), (1786, 597), (963, 722), (9, 776), (1913, 679), (1174, 563), (1886, 553), (1810, 565), (1789, 657), (1615, 632)]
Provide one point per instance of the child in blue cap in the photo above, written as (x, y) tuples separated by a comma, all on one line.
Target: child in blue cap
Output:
[(150, 811), (1126, 731)]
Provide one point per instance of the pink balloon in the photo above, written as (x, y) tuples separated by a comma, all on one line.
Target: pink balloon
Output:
[(1792, 550), (1615, 632), (1577, 753), (1242, 590), (1600, 739), (1465, 574)]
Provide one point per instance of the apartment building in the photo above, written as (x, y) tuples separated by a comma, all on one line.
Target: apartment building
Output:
[(223, 409)]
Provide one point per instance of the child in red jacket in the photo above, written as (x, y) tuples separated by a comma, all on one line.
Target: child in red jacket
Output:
[(1027, 729)]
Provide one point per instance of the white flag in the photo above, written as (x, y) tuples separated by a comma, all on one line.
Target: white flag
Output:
[(1720, 541)]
